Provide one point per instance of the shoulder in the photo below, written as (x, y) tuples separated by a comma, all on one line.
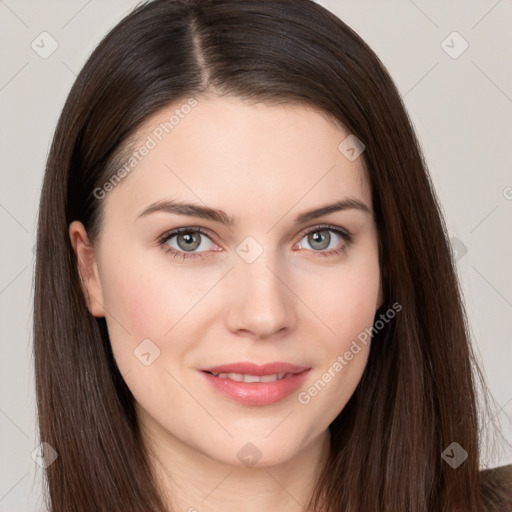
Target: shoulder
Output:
[(496, 485)]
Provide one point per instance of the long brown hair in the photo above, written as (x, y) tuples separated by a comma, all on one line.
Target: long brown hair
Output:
[(418, 393)]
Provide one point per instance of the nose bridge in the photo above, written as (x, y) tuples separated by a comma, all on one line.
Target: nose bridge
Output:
[(261, 301)]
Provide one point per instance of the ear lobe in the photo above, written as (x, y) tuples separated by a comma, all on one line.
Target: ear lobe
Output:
[(87, 269)]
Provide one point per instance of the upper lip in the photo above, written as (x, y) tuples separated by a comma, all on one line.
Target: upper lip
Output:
[(248, 368)]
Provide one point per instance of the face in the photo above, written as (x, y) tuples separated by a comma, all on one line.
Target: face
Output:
[(250, 279)]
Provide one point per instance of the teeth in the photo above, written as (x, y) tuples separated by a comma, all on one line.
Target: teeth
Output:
[(240, 377)]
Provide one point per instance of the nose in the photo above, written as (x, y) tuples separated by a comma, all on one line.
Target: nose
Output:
[(260, 299)]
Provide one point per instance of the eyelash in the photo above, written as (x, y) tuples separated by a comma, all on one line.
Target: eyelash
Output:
[(347, 237)]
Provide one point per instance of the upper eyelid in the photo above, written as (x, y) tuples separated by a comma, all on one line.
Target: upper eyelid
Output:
[(192, 229), (326, 227)]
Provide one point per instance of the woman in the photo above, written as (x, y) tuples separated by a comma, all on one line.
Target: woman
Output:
[(244, 294)]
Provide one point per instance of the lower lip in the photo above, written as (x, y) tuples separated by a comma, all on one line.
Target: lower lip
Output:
[(257, 393)]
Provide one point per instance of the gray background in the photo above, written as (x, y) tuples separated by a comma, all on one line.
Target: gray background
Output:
[(461, 108)]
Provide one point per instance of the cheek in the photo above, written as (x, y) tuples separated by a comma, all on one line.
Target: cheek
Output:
[(348, 302), (148, 301), (138, 305), (135, 301), (143, 296), (347, 307)]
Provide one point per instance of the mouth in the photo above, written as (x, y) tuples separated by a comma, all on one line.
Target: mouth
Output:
[(253, 384), (241, 377)]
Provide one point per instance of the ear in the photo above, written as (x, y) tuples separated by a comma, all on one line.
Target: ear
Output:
[(87, 269)]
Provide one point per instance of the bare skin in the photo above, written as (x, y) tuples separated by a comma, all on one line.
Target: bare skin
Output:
[(298, 301)]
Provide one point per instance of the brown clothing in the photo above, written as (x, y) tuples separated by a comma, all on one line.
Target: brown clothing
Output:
[(497, 489)]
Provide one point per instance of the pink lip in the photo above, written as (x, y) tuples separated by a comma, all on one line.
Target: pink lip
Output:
[(257, 393)]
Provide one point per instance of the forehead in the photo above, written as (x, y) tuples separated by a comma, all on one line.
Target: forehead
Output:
[(223, 150)]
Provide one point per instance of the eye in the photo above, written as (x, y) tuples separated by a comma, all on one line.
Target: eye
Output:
[(321, 240), (184, 243), (190, 242)]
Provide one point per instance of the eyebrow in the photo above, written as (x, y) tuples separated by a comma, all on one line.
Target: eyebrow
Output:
[(220, 216)]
